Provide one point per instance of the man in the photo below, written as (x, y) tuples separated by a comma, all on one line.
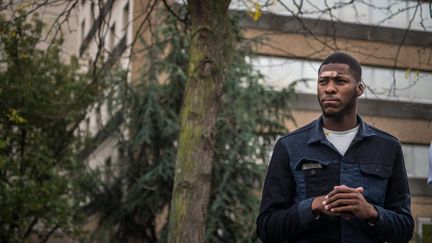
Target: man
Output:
[(337, 179)]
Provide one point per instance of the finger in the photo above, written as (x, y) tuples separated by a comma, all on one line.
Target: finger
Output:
[(344, 209), (339, 196), (359, 189), (334, 191), (341, 203), (343, 189)]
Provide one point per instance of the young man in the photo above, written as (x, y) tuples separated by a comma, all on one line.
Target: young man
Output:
[(337, 179)]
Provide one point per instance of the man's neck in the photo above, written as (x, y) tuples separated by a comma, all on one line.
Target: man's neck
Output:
[(340, 123)]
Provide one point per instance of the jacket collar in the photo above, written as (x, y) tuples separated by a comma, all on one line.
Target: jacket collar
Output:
[(317, 133)]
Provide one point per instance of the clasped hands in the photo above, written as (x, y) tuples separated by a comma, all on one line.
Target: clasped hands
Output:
[(346, 202)]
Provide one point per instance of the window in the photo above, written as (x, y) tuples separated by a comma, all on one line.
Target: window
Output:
[(92, 12), (112, 39), (409, 85), (83, 30), (416, 160), (388, 13), (126, 19), (405, 85)]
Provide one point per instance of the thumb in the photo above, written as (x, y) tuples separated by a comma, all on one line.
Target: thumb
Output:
[(359, 189)]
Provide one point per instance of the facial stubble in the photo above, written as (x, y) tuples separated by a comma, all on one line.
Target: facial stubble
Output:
[(346, 109)]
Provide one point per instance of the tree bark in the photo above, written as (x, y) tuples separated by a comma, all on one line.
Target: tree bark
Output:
[(210, 51)]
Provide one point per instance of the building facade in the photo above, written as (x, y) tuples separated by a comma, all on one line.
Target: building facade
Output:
[(393, 45), (391, 39)]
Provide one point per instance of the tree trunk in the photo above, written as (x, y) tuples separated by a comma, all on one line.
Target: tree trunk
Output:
[(210, 51)]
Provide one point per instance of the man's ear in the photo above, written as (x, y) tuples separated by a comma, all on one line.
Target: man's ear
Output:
[(360, 89)]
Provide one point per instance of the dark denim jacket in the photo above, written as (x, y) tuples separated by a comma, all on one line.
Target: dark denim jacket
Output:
[(374, 161)]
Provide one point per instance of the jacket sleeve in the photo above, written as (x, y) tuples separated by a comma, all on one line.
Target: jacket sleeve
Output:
[(395, 223), (280, 218)]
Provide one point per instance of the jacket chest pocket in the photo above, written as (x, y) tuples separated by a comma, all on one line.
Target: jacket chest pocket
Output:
[(319, 176), (374, 177)]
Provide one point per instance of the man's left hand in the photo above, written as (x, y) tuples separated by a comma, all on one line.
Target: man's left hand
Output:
[(345, 200)]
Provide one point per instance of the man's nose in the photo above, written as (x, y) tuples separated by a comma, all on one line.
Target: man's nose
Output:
[(330, 88)]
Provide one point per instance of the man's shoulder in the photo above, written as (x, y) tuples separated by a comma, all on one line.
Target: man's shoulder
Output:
[(299, 132), (382, 134)]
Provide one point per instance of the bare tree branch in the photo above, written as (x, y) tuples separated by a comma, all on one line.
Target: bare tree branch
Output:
[(57, 24), (183, 20), (392, 90), (141, 26)]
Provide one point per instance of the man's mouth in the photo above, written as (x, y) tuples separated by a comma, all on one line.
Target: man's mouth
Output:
[(330, 101)]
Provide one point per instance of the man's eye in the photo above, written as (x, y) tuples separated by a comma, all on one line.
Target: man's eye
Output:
[(322, 81), (341, 81)]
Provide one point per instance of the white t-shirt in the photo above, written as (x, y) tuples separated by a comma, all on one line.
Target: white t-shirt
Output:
[(341, 139)]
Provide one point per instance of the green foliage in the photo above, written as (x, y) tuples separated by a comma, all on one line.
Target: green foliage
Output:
[(42, 101), (140, 187), (426, 233), (135, 201)]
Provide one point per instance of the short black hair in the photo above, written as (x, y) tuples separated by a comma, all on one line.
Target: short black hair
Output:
[(340, 57)]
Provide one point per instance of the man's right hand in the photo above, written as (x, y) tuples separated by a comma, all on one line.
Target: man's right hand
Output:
[(345, 200), (318, 206)]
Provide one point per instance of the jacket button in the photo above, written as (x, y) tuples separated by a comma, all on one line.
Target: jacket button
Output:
[(313, 172)]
